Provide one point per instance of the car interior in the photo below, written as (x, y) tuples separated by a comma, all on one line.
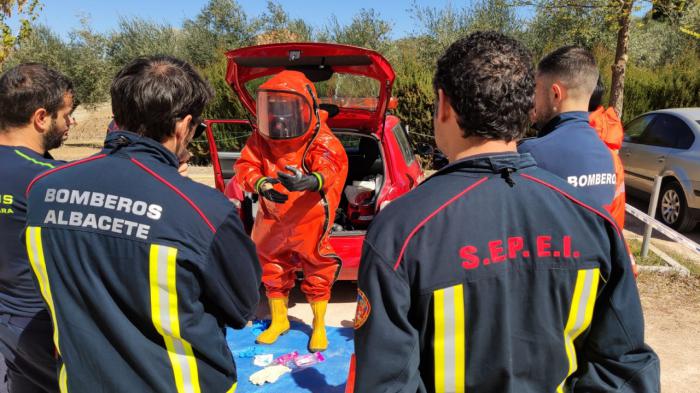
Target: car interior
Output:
[(363, 184)]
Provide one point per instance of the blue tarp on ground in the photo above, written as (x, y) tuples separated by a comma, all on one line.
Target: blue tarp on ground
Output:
[(326, 377)]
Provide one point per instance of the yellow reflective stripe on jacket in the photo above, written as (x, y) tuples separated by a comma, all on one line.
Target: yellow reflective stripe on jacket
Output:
[(62, 380), (580, 315), (37, 162), (35, 250), (449, 342), (233, 388), (164, 314)]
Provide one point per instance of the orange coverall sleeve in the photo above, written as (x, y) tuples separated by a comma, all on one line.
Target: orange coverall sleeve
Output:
[(249, 166), (327, 157)]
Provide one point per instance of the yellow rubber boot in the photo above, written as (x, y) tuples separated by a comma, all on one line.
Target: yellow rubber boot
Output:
[(318, 341), (280, 323)]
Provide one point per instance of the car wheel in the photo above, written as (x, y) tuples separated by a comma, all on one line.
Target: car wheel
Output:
[(673, 209)]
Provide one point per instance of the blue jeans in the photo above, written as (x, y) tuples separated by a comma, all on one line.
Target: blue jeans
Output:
[(28, 349)]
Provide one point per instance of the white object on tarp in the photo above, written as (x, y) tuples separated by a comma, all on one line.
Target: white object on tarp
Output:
[(263, 360), (360, 186), (269, 374)]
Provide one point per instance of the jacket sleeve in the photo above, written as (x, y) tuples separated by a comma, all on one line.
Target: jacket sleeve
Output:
[(613, 357), (387, 346), (248, 167), (327, 158), (232, 274)]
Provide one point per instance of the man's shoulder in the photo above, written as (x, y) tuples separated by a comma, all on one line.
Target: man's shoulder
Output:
[(14, 158), (401, 217), (578, 199), (562, 148)]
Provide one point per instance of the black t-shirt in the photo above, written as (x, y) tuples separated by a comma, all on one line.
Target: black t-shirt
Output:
[(18, 166)]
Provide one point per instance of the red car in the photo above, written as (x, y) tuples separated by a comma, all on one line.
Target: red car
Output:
[(354, 86)]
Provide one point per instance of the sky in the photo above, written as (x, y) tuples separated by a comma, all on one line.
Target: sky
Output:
[(62, 16)]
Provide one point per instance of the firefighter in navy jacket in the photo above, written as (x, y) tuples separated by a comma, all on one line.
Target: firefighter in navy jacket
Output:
[(141, 267), (566, 144), (37, 104), (493, 276)]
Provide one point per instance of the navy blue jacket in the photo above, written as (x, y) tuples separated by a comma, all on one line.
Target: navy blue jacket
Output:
[(142, 269), (493, 276), (18, 293), (571, 149)]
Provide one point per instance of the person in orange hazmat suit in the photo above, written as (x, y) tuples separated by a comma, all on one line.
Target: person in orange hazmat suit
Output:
[(298, 167), (609, 127)]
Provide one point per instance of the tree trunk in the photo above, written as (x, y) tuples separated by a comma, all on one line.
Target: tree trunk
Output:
[(617, 88)]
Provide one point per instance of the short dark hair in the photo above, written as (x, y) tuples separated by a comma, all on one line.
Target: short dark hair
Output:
[(597, 96), (489, 80), (28, 87), (574, 66), (150, 94)]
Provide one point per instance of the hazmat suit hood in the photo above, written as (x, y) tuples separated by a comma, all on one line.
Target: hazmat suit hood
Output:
[(287, 112)]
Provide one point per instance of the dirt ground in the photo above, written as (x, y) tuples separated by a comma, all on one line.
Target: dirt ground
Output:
[(671, 303)]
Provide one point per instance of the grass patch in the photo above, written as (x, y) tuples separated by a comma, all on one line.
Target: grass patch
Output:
[(651, 260), (654, 260)]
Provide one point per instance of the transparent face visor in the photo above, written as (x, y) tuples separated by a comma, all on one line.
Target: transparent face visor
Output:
[(282, 115)]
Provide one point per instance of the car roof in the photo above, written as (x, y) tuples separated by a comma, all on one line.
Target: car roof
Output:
[(689, 113)]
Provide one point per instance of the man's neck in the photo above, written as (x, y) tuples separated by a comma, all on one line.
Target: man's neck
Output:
[(475, 146), (22, 137), (573, 106)]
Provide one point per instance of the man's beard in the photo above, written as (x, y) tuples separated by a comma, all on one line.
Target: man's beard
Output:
[(53, 138), (542, 118)]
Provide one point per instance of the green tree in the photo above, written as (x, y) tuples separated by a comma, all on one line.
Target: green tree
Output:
[(27, 11), (89, 66), (275, 25), (366, 29), (558, 23), (40, 45), (139, 37), (221, 25), (440, 27)]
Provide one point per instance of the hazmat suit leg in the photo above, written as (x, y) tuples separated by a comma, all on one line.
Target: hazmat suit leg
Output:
[(279, 274), (319, 274)]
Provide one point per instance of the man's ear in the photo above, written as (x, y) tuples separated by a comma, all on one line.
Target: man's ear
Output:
[(182, 128), (41, 119), (444, 109), (558, 92)]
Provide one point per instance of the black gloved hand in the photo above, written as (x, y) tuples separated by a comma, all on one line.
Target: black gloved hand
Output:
[(272, 194), (299, 181)]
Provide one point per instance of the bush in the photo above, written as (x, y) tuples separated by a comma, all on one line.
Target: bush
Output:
[(671, 86)]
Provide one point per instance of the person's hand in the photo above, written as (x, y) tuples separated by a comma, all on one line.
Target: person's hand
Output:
[(266, 191), (269, 374), (299, 181), (184, 156), (183, 169)]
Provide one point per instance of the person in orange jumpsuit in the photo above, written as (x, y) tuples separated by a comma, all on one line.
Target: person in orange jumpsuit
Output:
[(298, 167), (609, 127)]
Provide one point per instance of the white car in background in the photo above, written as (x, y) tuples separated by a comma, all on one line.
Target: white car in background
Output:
[(666, 143)]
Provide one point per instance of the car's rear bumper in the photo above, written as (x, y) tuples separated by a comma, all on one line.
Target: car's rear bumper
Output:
[(349, 249)]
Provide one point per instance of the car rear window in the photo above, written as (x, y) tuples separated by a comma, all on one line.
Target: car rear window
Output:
[(668, 131), (343, 90), (404, 144)]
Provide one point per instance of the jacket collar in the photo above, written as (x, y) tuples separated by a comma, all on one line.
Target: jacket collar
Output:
[(562, 119), (490, 163), (135, 145)]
